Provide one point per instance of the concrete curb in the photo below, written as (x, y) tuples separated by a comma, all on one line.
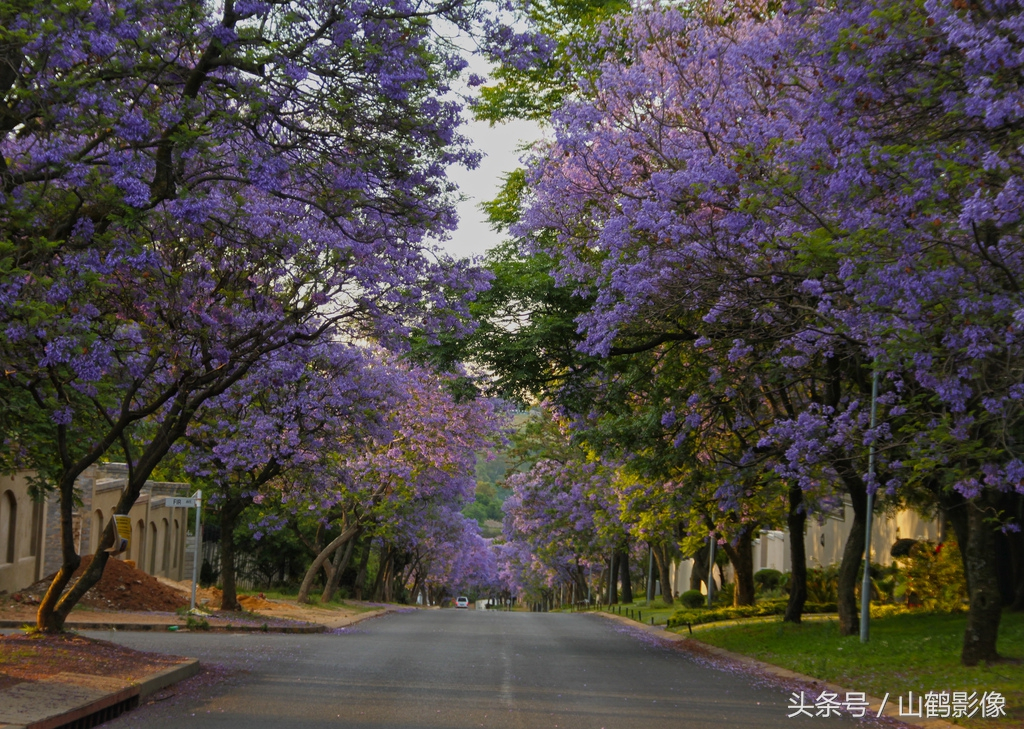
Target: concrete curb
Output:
[(214, 628), (367, 616), (47, 698), (141, 627), (168, 677), (782, 673), (79, 712)]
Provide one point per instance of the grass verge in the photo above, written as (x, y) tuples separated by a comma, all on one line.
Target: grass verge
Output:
[(337, 602), (917, 652), (642, 612)]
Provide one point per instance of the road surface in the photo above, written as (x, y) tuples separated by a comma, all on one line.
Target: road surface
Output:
[(452, 669)]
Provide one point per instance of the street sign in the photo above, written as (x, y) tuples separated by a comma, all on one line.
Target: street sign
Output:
[(180, 502), (122, 534)]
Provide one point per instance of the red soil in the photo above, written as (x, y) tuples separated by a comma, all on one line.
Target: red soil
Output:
[(122, 587)]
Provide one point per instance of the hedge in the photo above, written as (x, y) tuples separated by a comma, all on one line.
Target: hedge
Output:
[(699, 616)]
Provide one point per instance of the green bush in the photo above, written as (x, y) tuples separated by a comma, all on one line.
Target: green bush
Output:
[(192, 623), (823, 584), (934, 581), (768, 579), (764, 608), (692, 599)]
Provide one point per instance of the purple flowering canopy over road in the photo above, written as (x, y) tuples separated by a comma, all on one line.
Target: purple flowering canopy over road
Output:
[(185, 188), (793, 197)]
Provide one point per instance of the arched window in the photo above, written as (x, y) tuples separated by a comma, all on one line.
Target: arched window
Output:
[(37, 528), (165, 557), (97, 528), (153, 542), (140, 543), (174, 544), (8, 526)]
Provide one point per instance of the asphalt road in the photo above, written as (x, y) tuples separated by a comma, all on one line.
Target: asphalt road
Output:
[(455, 669)]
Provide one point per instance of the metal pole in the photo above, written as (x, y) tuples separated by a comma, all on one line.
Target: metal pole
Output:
[(195, 562), (650, 574), (711, 568), (865, 587)]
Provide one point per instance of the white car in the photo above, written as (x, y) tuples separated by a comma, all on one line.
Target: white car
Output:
[(462, 602)]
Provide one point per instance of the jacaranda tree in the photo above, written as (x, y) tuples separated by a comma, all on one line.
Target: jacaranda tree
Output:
[(834, 188), (185, 188)]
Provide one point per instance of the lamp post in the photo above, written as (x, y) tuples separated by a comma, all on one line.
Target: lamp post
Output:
[(865, 587), (198, 496), (650, 574), (711, 568)]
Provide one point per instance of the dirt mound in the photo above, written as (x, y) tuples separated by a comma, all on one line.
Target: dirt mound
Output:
[(252, 603), (206, 597), (122, 587)]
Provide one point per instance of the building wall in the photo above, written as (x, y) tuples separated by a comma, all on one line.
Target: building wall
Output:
[(22, 529), (159, 533), (824, 542)]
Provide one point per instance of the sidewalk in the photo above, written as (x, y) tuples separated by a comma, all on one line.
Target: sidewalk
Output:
[(67, 696), (280, 618), (762, 668)]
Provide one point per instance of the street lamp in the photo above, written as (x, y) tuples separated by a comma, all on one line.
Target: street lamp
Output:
[(865, 587), (711, 567)]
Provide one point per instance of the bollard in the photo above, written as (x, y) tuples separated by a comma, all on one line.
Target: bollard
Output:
[(639, 616)]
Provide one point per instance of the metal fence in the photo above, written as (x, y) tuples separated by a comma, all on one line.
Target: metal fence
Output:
[(250, 573)]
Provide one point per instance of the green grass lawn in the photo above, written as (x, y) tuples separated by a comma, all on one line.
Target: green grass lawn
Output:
[(289, 594), (917, 652), (640, 611)]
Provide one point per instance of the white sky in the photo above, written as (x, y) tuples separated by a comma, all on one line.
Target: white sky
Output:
[(499, 145)]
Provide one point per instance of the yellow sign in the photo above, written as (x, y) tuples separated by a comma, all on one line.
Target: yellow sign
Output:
[(122, 534)]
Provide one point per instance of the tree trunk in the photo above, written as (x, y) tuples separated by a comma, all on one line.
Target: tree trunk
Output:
[(1017, 556), (699, 571), (360, 585), (955, 509), (661, 558), (853, 552), (581, 581), (383, 567), (795, 522), (325, 554), (1011, 505), (231, 508), (613, 580), (742, 557), (627, 584), (345, 555), (48, 618), (986, 605)]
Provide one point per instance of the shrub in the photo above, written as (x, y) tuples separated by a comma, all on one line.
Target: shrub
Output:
[(823, 584), (192, 623), (768, 579), (692, 599), (934, 576), (764, 608), (724, 594)]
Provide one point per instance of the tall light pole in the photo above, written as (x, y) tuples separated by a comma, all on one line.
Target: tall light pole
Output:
[(650, 574), (865, 587), (711, 567), (198, 496)]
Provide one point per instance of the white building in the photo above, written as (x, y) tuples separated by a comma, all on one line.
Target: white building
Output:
[(824, 543)]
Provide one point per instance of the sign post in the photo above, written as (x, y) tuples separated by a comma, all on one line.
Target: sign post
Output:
[(122, 534), (195, 500)]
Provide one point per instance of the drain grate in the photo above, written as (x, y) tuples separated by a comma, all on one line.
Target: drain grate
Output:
[(105, 714)]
